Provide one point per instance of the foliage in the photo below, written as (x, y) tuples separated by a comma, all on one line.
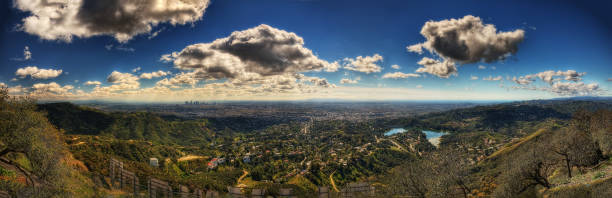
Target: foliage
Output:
[(26, 132), (127, 126)]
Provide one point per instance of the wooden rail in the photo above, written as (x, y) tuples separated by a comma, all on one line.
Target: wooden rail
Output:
[(159, 188)]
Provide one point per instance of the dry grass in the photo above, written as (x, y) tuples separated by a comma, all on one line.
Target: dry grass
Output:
[(191, 157), (513, 145)]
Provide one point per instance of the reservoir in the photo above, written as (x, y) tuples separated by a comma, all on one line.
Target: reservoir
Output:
[(395, 131), (432, 136)]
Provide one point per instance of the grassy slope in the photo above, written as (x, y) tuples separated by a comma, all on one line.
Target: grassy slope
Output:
[(511, 147)]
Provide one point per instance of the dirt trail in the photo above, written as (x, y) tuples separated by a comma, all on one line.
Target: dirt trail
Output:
[(331, 180), (398, 145), (244, 174)]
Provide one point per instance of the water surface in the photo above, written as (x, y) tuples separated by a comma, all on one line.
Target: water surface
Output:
[(432, 136)]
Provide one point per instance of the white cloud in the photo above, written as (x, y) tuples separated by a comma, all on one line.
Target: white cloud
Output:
[(156, 74), (120, 82), (179, 80), (395, 66), (27, 55), (348, 81), (316, 81), (491, 78), (397, 75), (261, 50), (416, 48), (96, 83), (137, 69), (549, 77), (524, 80), (259, 60), (65, 19), (568, 83), (437, 68), (574, 88), (419, 86), (473, 77), (482, 67), (465, 40), (166, 58), (365, 64), (118, 77), (119, 47), (52, 87), (17, 90), (468, 40), (154, 34), (37, 73)]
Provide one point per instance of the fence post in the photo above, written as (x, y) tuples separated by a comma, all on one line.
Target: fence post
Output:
[(183, 191), (323, 192), (112, 173), (135, 181), (121, 179), (149, 186), (197, 193)]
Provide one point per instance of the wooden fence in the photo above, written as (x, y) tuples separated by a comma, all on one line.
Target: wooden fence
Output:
[(129, 181), (155, 188)]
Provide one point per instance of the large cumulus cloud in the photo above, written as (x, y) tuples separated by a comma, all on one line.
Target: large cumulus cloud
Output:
[(262, 50), (259, 59), (122, 19), (464, 40), (468, 40)]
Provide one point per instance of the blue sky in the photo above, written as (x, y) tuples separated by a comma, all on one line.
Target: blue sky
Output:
[(571, 39)]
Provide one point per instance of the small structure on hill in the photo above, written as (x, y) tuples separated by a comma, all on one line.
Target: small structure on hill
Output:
[(153, 162)]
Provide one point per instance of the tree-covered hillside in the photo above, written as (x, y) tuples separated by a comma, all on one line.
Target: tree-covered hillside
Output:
[(127, 125)]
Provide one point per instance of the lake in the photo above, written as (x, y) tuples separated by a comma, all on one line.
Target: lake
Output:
[(395, 131), (432, 136)]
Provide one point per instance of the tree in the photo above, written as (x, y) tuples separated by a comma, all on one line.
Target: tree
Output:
[(410, 179), (439, 174), (526, 169), (576, 148), (454, 169), (601, 130), (24, 131)]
